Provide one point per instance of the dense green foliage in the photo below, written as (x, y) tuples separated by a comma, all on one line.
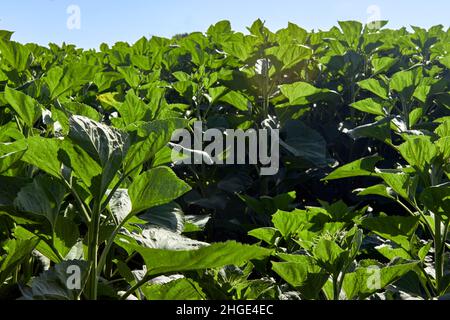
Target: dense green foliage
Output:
[(360, 207)]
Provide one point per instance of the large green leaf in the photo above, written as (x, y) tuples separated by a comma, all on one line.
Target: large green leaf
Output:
[(330, 256), (61, 80), (304, 275), (64, 281), (25, 106), (288, 223), (170, 216), (9, 188), (375, 86), (15, 54), (43, 153), (379, 130), (120, 205), (358, 168), (159, 238), (404, 83), (403, 184), (366, 281), (81, 164), (352, 32), (154, 188), (181, 289), (106, 145), (437, 199), (150, 138), (371, 106), (288, 55), (16, 252), (267, 235), (214, 256), (133, 109), (11, 153), (44, 196), (394, 228), (66, 236), (383, 64), (418, 151), (43, 247), (302, 93)]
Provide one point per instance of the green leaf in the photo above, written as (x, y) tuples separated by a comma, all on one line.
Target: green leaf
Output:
[(106, 145), (437, 199), (444, 129), (292, 33), (169, 216), (42, 247), (383, 64), (289, 55), (302, 93), (64, 281), (16, 253), (120, 205), (289, 223), (25, 106), (66, 236), (235, 99), (154, 188), (380, 130), (371, 106), (43, 196), (11, 153), (267, 235), (378, 190), (446, 61), (81, 109), (9, 188), (131, 76), (400, 182), (358, 168), (105, 80), (133, 109), (181, 289), (393, 253), (366, 281), (330, 255), (43, 153), (6, 35), (404, 83), (61, 80), (418, 151), (394, 228), (352, 32), (414, 116), (15, 54), (304, 276), (219, 29), (375, 86), (151, 138), (158, 238), (214, 256)]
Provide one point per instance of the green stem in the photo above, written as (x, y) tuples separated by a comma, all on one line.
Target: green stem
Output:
[(94, 229), (336, 289), (109, 243), (135, 287), (438, 252), (86, 212)]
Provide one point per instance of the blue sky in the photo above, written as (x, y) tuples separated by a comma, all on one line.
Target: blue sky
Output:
[(44, 21)]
